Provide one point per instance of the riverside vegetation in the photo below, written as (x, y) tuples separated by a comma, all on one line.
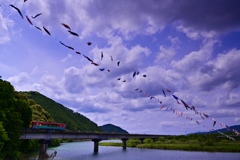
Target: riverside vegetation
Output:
[(194, 142)]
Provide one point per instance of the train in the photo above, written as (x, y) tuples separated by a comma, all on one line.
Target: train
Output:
[(47, 126)]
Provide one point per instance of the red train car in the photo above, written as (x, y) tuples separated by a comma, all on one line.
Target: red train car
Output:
[(48, 126)]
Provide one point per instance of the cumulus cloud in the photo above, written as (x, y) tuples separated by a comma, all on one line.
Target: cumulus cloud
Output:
[(221, 71), (144, 36), (144, 17), (5, 24), (237, 119), (194, 60), (164, 54), (69, 56), (196, 34), (73, 80)]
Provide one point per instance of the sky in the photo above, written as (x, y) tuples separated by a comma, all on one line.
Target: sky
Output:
[(189, 49)]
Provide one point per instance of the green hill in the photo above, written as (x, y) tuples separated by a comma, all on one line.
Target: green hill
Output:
[(110, 128), (75, 121)]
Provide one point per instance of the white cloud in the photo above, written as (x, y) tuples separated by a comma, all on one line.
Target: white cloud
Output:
[(73, 82), (196, 34), (227, 112), (193, 61), (237, 119), (5, 24), (165, 54), (19, 79), (221, 71), (69, 56), (124, 31)]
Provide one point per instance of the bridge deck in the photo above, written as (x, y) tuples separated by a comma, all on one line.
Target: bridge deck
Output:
[(28, 134)]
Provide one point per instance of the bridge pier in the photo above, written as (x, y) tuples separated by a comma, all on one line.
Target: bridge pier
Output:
[(43, 149), (96, 144), (124, 142)]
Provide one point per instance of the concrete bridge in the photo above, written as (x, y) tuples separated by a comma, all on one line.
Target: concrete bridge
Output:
[(45, 137)]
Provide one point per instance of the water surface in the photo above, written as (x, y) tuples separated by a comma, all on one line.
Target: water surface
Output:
[(84, 150)]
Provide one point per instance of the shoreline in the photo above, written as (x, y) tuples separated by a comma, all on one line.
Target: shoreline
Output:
[(183, 145)]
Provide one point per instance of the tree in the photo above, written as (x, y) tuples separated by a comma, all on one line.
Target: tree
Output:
[(3, 138), (15, 114)]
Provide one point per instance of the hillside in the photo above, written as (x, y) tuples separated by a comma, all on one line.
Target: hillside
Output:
[(235, 127), (75, 121), (110, 128), (38, 113)]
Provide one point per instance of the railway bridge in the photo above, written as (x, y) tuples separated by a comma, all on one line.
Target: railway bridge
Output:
[(45, 137)]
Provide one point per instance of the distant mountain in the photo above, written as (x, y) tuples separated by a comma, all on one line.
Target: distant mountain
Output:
[(110, 128), (75, 121), (236, 127)]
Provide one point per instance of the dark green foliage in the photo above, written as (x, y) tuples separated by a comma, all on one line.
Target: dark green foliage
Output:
[(39, 114), (55, 142), (148, 140), (3, 136), (161, 139), (133, 142), (27, 146), (15, 114), (110, 128), (209, 142), (75, 121)]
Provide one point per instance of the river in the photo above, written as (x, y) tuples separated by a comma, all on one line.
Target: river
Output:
[(84, 151)]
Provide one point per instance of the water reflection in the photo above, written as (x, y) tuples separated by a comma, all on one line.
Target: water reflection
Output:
[(84, 150)]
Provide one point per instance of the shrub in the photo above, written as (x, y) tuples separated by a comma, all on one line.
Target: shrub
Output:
[(209, 142)]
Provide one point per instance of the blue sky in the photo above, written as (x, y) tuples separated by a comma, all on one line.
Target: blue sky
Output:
[(188, 47)]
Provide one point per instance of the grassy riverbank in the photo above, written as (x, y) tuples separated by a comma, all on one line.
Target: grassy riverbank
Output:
[(208, 143)]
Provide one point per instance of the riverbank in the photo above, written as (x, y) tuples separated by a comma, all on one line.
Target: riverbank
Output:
[(199, 143)]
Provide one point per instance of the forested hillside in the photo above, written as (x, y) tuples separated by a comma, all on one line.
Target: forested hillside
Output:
[(223, 130), (75, 121), (110, 128)]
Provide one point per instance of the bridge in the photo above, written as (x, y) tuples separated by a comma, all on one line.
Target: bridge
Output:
[(45, 137)]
